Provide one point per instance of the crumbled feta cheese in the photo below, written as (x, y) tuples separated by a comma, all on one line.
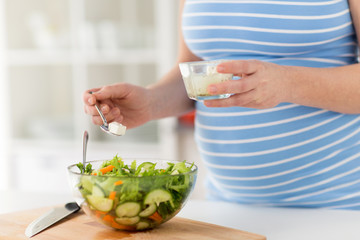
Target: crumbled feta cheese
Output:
[(117, 128)]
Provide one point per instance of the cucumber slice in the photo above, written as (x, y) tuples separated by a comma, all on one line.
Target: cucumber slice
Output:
[(128, 220), (86, 183), (148, 211), (175, 172), (157, 196), (108, 184), (128, 209), (100, 203), (142, 225), (98, 191), (145, 166), (181, 167)]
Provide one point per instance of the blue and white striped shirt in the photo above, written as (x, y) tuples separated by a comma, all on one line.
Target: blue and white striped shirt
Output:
[(289, 155)]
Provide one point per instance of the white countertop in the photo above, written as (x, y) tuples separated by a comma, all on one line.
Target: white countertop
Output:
[(278, 223), (274, 223)]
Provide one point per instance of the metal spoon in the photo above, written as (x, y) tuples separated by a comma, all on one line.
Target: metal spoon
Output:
[(85, 141), (105, 125)]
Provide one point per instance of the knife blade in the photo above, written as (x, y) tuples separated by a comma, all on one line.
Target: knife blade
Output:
[(51, 217)]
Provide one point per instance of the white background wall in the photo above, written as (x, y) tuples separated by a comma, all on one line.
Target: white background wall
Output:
[(42, 77)]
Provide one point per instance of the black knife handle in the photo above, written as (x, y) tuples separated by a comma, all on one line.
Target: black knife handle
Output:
[(72, 206)]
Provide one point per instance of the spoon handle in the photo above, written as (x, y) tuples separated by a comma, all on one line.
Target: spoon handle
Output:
[(85, 141), (101, 115)]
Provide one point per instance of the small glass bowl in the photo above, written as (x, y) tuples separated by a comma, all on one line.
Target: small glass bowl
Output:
[(199, 75)]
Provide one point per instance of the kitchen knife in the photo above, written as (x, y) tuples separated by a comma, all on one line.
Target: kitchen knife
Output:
[(50, 218)]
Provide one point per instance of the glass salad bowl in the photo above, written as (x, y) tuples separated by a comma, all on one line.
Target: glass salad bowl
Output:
[(130, 194)]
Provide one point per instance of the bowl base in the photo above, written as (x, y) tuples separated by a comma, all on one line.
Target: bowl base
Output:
[(210, 97)]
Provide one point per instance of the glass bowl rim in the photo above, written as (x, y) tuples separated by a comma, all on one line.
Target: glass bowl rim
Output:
[(206, 62), (194, 169)]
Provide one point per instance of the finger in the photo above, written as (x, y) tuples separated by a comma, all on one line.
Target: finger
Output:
[(241, 100), (91, 110), (96, 120), (88, 98), (242, 85), (239, 67), (112, 92), (113, 115), (119, 118)]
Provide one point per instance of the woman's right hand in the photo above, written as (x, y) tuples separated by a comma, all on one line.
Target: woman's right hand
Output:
[(125, 103)]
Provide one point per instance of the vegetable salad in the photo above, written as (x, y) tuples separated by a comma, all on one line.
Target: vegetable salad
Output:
[(137, 195)]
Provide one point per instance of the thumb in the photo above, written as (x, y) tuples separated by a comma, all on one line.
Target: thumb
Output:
[(239, 67), (115, 91), (94, 95), (88, 96)]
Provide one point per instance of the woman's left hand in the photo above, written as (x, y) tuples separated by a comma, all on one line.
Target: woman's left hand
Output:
[(262, 85)]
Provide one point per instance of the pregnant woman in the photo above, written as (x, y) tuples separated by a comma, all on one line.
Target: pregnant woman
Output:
[(290, 133)]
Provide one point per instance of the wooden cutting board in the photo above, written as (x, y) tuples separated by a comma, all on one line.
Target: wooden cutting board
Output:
[(79, 226)]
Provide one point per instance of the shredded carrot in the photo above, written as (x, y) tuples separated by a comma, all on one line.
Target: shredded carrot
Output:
[(109, 219), (99, 214), (117, 183), (94, 173), (107, 169), (112, 195), (157, 217)]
